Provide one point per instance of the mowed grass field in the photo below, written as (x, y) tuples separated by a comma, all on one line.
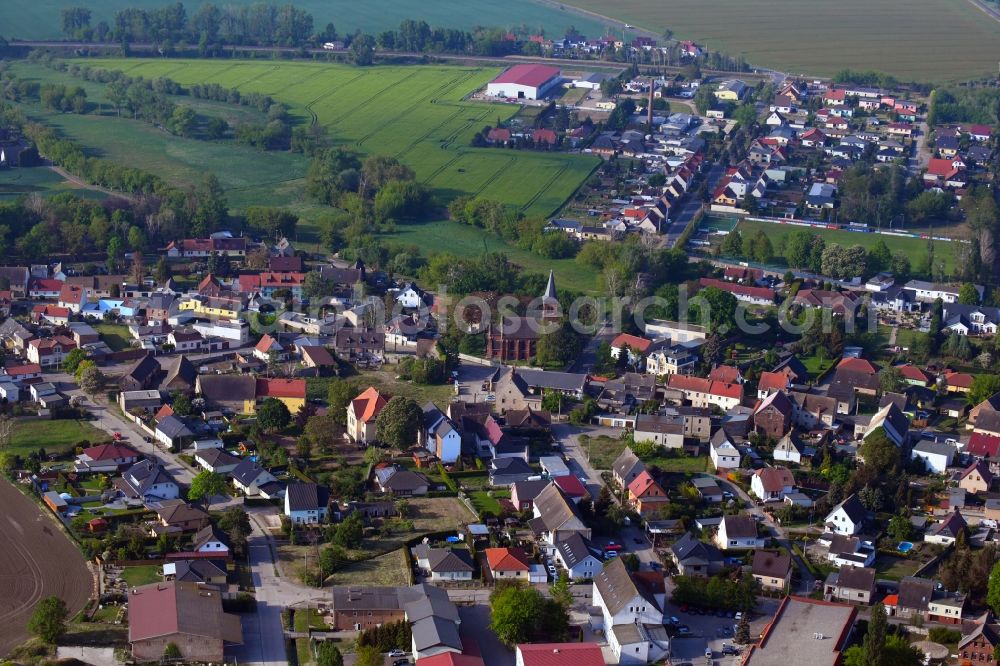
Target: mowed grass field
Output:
[(41, 19), (415, 113), (816, 37), (914, 248)]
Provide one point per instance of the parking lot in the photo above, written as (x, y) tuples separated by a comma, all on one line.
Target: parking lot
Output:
[(713, 632)]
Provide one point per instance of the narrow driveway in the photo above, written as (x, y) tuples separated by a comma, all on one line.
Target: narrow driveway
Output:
[(588, 357)]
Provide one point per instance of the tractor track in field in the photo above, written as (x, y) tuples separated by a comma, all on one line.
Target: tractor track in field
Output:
[(430, 97), (541, 190)]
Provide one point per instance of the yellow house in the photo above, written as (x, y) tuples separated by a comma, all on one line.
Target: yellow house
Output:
[(219, 308), (732, 90), (292, 392)]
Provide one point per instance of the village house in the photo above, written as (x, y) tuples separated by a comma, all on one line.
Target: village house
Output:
[(772, 570), (771, 484), (854, 585), (306, 503), (738, 533), (183, 614), (694, 557), (361, 415), (847, 517)]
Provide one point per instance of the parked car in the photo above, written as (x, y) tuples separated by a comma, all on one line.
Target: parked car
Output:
[(397, 653), (674, 620), (683, 629)]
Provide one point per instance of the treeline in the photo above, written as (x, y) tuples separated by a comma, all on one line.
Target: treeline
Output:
[(262, 24), (57, 97), (510, 224), (964, 105), (149, 100)]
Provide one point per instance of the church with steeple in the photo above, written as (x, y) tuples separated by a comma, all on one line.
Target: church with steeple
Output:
[(515, 338)]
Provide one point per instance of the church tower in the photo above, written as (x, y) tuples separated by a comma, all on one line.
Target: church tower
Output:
[(550, 302)]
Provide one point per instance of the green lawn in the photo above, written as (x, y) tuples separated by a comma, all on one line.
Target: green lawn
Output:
[(914, 248), (388, 569), (54, 436), (115, 335), (385, 381), (680, 464), (142, 575), (895, 568), (601, 450), (820, 38), (483, 502)]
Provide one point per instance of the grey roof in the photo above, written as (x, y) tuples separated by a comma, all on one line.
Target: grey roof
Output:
[(553, 509), (306, 496), (574, 549), (217, 457), (938, 448), (227, 388), (434, 631), (627, 465), (449, 559), (915, 593), (248, 471), (561, 381), (197, 571), (706, 485), (856, 578), (661, 424), (145, 474), (180, 368), (405, 480), (854, 509), (510, 466), (424, 601), (528, 490), (209, 533), (690, 548), (767, 563), (740, 527), (617, 588), (365, 598), (173, 427)]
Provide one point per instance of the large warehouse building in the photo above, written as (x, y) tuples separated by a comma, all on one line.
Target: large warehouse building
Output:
[(524, 82)]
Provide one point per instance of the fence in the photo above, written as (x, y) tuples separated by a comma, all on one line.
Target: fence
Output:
[(466, 358)]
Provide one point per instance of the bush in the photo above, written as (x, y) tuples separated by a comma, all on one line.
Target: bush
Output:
[(944, 636)]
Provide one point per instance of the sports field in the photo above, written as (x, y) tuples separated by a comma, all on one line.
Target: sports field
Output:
[(415, 113), (914, 248), (41, 19), (819, 38)]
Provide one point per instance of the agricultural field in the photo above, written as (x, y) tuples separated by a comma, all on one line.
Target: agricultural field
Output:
[(41, 19), (39, 561), (415, 113), (914, 248), (815, 37)]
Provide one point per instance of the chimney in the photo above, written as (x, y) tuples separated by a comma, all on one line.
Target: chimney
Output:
[(649, 110)]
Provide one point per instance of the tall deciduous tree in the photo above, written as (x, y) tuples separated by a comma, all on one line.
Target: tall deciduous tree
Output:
[(398, 422), (48, 622), (206, 485)]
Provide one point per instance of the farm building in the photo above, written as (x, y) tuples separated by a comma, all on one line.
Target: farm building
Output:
[(524, 82)]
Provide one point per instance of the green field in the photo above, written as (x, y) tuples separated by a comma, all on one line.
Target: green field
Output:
[(815, 37), (914, 248), (41, 19), (53, 436), (142, 575), (37, 180), (415, 113)]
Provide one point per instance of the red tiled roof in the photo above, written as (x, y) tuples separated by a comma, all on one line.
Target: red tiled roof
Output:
[(450, 659), (857, 365), (739, 289), (982, 445), (959, 379), (71, 293), (23, 369), (941, 167), (725, 373), (507, 559), (527, 75), (281, 388), (109, 452), (774, 479), (46, 284), (163, 412), (772, 381), (368, 404), (643, 484), (266, 343), (571, 486), (561, 654), (913, 373), (633, 341)]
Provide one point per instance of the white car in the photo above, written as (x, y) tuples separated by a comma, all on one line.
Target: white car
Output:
[(397, 653)]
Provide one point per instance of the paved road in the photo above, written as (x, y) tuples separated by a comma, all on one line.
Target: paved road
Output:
[(263, 636), (780, 536), (108, 419), (692, 205), (588, 357)]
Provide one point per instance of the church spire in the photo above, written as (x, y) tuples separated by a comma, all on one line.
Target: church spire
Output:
[(550, 288)]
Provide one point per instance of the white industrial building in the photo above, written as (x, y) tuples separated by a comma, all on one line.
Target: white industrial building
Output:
[(524, 82)]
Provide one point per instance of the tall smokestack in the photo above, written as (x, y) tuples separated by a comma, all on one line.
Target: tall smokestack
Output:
[(649, 111)]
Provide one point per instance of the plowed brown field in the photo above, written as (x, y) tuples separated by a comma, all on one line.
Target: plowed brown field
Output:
[(37, 560)]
